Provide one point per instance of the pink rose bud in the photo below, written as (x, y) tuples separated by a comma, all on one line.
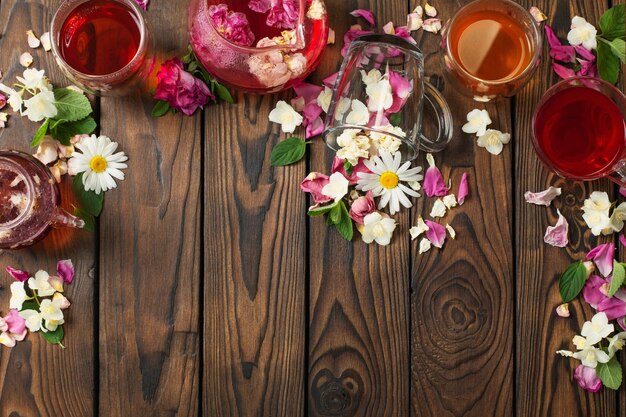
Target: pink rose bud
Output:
[(65, 270), (180, 89), (587, 378), (362, 206)]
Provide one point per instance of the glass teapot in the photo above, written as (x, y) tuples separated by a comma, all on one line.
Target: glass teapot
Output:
[(29, 201)]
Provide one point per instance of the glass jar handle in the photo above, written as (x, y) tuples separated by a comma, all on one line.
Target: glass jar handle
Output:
[(442, 114), (62, 218)]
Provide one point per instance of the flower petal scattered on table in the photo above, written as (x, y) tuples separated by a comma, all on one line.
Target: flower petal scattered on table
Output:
[(542, 198), (602, 257), (557, 235), (365, 14)]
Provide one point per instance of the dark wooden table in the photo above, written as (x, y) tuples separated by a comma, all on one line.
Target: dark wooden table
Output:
[(207, 291)]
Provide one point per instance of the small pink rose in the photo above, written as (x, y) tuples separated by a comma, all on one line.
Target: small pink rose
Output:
[(436, 233), (313, 184), (180, 89), (587, 378), (65, 270), (463, 189), (362, 206), (365, 14), (260, 6), (602, 256), (283, 14), (17, 275), (233, 26)]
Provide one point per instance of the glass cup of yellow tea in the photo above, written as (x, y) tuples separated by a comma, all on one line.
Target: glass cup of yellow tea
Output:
[(491, 48)]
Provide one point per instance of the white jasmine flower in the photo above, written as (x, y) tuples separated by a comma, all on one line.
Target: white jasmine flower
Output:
[(597, 329), (34, 80), (353, 146), (337, 186), (41, 106), (33, 41), (590, 356), (377, 228), (597, 201), (98, 162), (439, 209), (41, 284), (359, 115), (493, 141), (597, 221), (450, 201), (323, 99), (563, 310), (45, 41), (387, 140), (421, 227), (582, 33), (285, 116), (342, 106), (616, 343), (18, 295), (51, 313), (419, 10), (477, 122), (424, 245), (371, 77), (618, 217), (316, 10), (26, 59), (14, 97), (566, 353), (33, 320), (385, 180), (432, 25), (451, 231), (430, 10), (414, 22), (380, 96)]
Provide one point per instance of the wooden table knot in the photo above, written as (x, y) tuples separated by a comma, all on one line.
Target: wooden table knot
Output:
[(337, 396)]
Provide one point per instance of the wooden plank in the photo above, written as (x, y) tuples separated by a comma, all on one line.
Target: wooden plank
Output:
[(544, 381), (36, 378), (358, 325), (150, 252), (255, 271), (462, 295)]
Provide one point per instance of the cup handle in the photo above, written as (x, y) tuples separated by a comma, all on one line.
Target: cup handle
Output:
[(64, 219), (443, 115)]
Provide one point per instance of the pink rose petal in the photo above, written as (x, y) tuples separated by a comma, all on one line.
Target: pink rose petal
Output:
[(602, 257), (557, 235), (362, 206), (314, 128), (401, 89), (434, 184), (563, 310), (143, 3), (313, 184), (436, 233), (16, 324), (330, 80), (260, 6), (553, 41), (17, 275), (404, 33), (584, 53), (592, 293), (283, 14), (463, 189), (365, 14), (353, 177), (587, 68), (562, 71), (65, 270), (542, 198), (622, 240), (563, 53), (587, 378), (351, 35)]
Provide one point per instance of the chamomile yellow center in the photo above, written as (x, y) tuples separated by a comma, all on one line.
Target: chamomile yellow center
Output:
[(389, 179), (98, 164)]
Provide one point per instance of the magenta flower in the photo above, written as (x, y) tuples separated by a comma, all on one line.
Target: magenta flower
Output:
[(361, 207), (595, 294), (563, 71), (602, 257), (311, 110), (436, 233), (17, 275), (313, 184), (353, 177), (180, 89), (3, 101), (143, 3), (434, 185), (233, 26), (365, 14), (351, 35), (283, 14), (65, 270), (587, 378), (330, 80), (401, 89), (594, 291), (404, 33), (463, 189), (260, 6), (12, 328), (585, 54)]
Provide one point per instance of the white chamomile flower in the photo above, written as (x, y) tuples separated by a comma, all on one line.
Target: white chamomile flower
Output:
[(98, 162), (439, 209), (371, 77), (41, 284), (386, 178), (353, 146), (493, 141), (359, 115), (380, 95), (33, 320), (582, 33), (34, 79), (26, 59), (45, 41), (421, 227), (18, 295), (337, 186), (386, 138), (40, 106), (616, 343), (477, 122), (597, 329), (324, 98), (285, 116), (33, 41), (377, 228), (424, 245)]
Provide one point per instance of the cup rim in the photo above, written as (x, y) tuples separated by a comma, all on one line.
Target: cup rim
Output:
[(391, 40), (55, 30), (536, 43)]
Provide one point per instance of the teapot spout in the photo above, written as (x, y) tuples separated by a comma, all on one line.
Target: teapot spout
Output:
[(64, 219)]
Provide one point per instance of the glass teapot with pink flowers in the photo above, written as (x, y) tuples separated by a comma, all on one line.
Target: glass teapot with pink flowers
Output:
[(261, 46)]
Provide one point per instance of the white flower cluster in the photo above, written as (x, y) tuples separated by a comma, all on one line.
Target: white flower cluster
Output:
[(490, 139), (596, 211)]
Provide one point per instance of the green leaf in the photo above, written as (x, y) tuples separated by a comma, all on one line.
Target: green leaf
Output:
[(89, 201), (618, 47), (572, 281), (288, 151), (71, 105), (613, 22), (160, 108), (322, 210), (63, 132), (347, 166), (618, 278), (30, 305), (395, 119), (608, 63), (90, 221), (344, 226), (40, 133), (223, 93), (335, 214), (610, 373), (54, 337)]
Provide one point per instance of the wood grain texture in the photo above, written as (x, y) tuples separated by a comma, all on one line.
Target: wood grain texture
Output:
[(36, 378), (255, 266), (462, 295), (544, 380), (150, 252), (359, 305)]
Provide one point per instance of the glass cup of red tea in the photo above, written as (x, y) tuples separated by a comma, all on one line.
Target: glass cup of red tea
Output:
[(29, 201), (579, 130), (103, 46), (490, 48), (273, 57)]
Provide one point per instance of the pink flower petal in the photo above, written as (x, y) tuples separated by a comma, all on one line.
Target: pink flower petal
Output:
[(65, 270), (613, 307), (404, 33), (283, 14), (353, 177), (313, 184), (330, 80), (314, 128), (587, 68), (563, 310), (463, 189), (260, 6), (351, 35), (562, 71), (553, 41), (434, 185), (563, 53), (587, 378), (16, 324), (436, 233), (17, 275), (308, 91), (622, 240), (584, 53), (362, 206), (3, 101), (365, 14), (401, 89), (622, 191), (557, 235), (143, 3), (602, 257), (542, 198), (592, 293)]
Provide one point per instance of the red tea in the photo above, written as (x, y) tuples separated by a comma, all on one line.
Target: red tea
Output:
[(490, 45), (100, 37), (580, 131)]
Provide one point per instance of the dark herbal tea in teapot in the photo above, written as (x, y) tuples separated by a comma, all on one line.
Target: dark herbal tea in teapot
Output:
[(100, 37)]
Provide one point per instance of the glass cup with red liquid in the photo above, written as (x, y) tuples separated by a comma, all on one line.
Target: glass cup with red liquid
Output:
[(264, 57), (103, 46), (579, 130), (490, 48), (29, 201)]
